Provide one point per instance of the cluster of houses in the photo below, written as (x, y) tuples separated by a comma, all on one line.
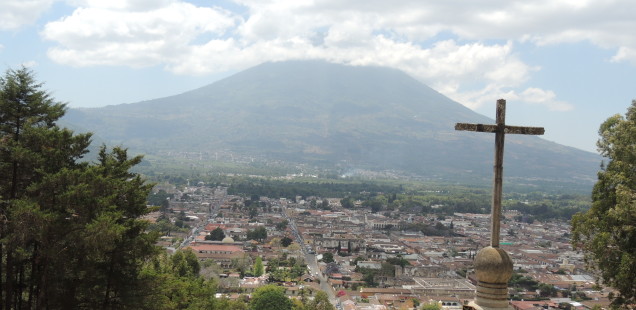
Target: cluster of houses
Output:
[(433, 269)]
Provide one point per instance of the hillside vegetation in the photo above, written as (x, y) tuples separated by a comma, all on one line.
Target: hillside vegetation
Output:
[(334, 118)]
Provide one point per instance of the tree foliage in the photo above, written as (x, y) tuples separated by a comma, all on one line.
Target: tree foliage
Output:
[(320, 302), (327, 257), (286, 241), (71, 231), (431, 306), (216, 234), (258, 234), (258, 268), (607, 232), (270, 297), (173, 282), (287, 270), (282, 225)]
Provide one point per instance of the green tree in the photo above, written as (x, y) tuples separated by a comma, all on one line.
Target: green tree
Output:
[(173, 282), (226, 304), (71, 231), (347, 203), (282, 225), (286, 241), (606, 231), (375, 204), (270, 297), (327, 257), (258, 234), (164, 227), (547, 290), (253, 211), (298, 304), (242, 264), (216, 234), (355, 261), (27, 117), (185, 263), (320, 302), (258, 267), (431, 306), (400, 261)]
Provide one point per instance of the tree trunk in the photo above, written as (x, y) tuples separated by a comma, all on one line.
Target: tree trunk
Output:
[(1, 260), (109, 276), (42, 300), (8, 286), (20, 287), (34, 276)]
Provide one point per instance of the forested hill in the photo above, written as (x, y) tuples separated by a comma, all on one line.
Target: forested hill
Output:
[(334, 117)]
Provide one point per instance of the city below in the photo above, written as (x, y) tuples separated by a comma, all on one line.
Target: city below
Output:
[(367, 260)]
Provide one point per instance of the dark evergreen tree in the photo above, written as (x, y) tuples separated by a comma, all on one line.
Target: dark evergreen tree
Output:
[(31, 147), (347, 203), (286, 241), (259, 234), (71, 230), (216, 234)]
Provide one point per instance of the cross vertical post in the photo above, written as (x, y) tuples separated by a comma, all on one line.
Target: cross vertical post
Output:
[(500, 129), (497, 188)]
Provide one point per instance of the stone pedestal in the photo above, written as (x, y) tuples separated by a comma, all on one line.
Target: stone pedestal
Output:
[(493, 268)]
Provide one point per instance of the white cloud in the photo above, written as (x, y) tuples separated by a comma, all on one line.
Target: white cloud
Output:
[(474, 63), (17, 13), (30, 64), (111, 36), (548, 98), (625, 54), (125, 5)]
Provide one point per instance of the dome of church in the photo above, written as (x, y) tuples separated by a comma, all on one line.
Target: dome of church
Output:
[(227, 240)]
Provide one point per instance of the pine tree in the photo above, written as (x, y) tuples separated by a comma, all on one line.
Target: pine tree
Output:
[(31, 146), (71, 230)]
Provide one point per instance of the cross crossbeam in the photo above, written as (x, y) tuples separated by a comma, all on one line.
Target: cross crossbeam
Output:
[(494, 128), (500, 129)]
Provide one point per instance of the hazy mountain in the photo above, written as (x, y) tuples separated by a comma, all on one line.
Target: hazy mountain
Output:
[(334, 116)]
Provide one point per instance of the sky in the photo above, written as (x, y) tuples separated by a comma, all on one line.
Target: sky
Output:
[(566, 65)]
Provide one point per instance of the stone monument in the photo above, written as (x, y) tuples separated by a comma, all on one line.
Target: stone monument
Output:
[(493, 266)]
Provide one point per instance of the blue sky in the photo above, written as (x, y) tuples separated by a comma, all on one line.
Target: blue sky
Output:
[(566, 65)]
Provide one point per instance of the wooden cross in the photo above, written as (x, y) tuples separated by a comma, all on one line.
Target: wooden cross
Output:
[(500, 129)]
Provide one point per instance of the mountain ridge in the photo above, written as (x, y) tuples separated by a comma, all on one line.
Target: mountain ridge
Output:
[(336, 116)]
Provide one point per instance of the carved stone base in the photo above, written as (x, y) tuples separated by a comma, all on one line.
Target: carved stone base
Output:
[(492, 295), (473, 306), (493, 268)]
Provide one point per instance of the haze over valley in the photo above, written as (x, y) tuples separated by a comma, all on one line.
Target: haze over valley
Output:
[(336, 118)]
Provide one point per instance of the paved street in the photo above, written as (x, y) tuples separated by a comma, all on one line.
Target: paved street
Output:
[(312, 264), (310, 259)]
